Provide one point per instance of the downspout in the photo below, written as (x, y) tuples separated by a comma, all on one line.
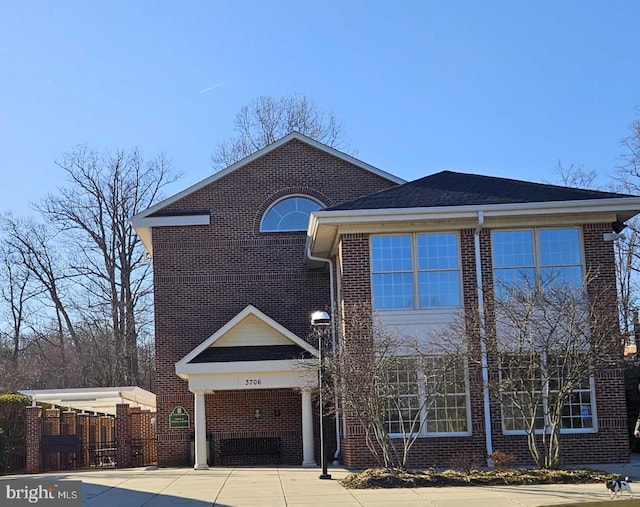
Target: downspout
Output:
[(333, 338), (483, 340)]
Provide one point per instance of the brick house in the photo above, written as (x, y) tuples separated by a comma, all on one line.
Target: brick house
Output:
[(242, 258)]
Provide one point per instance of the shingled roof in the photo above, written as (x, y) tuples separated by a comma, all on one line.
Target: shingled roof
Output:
[(448, 188)]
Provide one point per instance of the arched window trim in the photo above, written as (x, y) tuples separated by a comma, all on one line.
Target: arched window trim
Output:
[(278, 201)]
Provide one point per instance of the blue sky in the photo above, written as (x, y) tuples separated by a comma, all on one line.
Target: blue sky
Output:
[(504, 88)]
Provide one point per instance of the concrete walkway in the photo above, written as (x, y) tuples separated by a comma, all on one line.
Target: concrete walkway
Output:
[(281, 486)]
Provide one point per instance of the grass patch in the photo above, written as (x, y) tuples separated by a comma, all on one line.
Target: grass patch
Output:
[(372, 478)]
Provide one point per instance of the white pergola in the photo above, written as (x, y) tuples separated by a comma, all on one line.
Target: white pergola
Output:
[(98, 400)]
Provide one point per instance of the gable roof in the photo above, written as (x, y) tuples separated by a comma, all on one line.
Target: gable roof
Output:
[(153, 217), (448, 188), (284, 344)]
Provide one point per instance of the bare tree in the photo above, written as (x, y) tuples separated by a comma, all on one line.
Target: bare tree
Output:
[(91, 216), (88, 269), (627, 179), (390, 382), (15, 293), (44, 260), (627, 247), (629, 169), (551, 338), (267, 119), (575, 175)]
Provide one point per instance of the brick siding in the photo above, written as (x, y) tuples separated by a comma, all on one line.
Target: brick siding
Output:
[(608, 445), (205, 275)]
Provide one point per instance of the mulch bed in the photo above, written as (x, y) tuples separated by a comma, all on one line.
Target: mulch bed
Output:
[(399, 478)]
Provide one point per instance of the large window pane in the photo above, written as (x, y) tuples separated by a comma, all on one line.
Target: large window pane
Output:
[(512, 249), (556, 258), (521, 397), (559, 276), (432, 386), (435, 276), (439, 289), (391, 253), (393, 290), (437, 251), (559, 247)]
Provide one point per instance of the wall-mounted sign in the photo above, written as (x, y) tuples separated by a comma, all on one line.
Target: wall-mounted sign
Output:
[(179, 418)]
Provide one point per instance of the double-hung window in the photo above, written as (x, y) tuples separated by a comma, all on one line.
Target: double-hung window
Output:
[(415, 271), (530, 385), (427, 396), (529, 256), (542, 373)]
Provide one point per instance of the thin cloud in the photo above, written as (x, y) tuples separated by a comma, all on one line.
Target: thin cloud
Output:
[(213, 87)]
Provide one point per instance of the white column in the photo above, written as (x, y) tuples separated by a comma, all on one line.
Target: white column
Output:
[(201, 433), (308, 457)]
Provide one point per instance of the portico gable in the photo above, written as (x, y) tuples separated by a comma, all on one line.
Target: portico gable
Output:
[(252, 351)]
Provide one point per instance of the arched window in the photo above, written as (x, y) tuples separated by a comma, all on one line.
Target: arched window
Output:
[(289, 214)]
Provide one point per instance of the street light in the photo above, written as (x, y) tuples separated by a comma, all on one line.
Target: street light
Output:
[(321, 319)]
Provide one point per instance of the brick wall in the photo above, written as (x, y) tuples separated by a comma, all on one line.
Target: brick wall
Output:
[(205, 275)]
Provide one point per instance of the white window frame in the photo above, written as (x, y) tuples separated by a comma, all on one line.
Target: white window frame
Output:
[(424, 408), (592, 406), (537, 267), (416, 271), (275, 203)]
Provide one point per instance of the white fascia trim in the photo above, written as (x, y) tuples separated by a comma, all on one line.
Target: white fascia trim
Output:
[(283, 365), (326, 223), (340, 217), (363, 216), (144, 225), (173, 221)]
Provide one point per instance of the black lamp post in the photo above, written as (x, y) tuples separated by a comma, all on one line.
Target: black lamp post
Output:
[(321, 319)]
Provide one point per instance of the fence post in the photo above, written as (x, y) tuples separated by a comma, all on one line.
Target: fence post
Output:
[(33, 438), (123, 436), (84, 433)]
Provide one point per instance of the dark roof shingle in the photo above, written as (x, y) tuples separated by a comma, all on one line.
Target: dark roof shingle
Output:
[(448, 188), (251, 353)]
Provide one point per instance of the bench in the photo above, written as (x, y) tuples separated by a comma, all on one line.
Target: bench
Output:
[(66, 444), (256, 446)]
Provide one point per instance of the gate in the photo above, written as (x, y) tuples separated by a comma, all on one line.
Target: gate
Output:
[(13, 456), (77, 441), (143, 438), (69, 440)]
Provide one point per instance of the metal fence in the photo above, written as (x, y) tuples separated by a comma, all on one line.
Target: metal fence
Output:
[(12, 447)]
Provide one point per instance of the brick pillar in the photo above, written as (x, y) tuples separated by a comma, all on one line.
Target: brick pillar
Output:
[(69, 422), (52, 416), (82, 430), (123, 436), (33, 437), (135, 429)]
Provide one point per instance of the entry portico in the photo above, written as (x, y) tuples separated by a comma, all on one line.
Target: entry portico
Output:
[(251, 352)]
